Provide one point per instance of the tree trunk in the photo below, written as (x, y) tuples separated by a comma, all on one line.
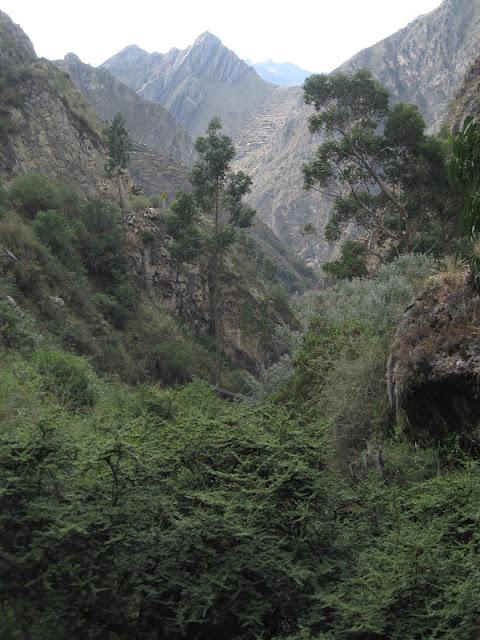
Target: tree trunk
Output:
[(216, 275), (121, 193)]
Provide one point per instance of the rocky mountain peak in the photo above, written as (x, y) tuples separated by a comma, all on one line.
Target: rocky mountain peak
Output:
[(209, 39), (210, 59), (15, 45), (72, 58)]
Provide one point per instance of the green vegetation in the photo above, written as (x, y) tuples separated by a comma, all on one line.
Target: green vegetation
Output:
[(118, 153), (352, 262), (378, 166), (217, 194), (64, 282), (464, 174), (137, 504)]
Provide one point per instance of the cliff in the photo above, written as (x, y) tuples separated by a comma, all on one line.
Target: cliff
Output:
[(45, 124), (435, 363), (425, 62)]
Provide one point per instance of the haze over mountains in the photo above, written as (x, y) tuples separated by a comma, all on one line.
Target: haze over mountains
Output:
[(282, 73), (168, 99), (423, 63)]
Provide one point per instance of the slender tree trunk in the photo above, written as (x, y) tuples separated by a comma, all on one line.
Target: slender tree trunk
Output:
[(121, 194), (216, 266)]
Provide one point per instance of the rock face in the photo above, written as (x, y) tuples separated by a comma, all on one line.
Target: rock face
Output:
[(194, 84), (434, 367), (15, 46), (185, 292), (46, 126), (425, 62), (467, 100), (147, 122)]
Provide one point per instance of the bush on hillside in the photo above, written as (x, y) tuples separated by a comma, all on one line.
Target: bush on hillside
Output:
[(55, 231), (32, 193), (70, 378)]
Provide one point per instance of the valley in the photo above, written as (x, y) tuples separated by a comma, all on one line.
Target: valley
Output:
[(239, 336)]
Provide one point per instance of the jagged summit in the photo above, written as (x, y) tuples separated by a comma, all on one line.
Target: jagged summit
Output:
[(15, 46), (72, 58), (208, 38), (205, 73)]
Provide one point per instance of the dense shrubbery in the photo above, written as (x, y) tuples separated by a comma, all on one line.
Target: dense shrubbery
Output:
[(64, 275), (162, 513)]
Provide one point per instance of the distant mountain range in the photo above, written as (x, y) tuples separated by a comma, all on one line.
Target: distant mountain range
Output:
[(169, 98), (423, 63), (281, 73)]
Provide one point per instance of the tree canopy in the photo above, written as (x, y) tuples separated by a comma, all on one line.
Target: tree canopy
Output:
[(377, 164)]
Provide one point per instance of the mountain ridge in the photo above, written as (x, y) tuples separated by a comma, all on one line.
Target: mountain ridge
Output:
[(147, 122)]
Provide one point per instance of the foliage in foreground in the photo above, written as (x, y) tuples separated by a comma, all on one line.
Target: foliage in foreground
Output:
[(155, 513)]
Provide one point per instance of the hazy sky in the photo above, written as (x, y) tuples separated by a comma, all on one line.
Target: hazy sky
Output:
[(315, 34)]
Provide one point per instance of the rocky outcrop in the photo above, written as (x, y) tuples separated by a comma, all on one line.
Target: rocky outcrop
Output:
[(185, 291), (46, 126), (425, 62), (147, 122), (15, 46), (434, 366)]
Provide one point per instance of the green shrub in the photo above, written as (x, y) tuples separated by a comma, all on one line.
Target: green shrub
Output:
[(70, 378), (139, 203), (351, 264), (54, 230), (15, 333), (32, 193)]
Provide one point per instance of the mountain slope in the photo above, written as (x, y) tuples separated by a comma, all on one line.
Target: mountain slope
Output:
[(45, 124), (425, 62), (268, 125), (147, 122), (467, 100), (47, 127), (193, 84)]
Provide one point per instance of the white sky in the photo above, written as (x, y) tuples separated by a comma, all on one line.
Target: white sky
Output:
[(315, 34)]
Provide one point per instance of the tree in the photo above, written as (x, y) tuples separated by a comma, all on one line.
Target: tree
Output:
[(352, 262), (376, 164), (464, 175), (218, 194), (118, 153), (182, 226)]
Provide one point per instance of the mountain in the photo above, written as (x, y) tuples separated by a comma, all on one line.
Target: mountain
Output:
[(467, 100), (281, 73), (47, 127), (195, 83), (425, 62), (268, 125), (147, 122), (45, 124)]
